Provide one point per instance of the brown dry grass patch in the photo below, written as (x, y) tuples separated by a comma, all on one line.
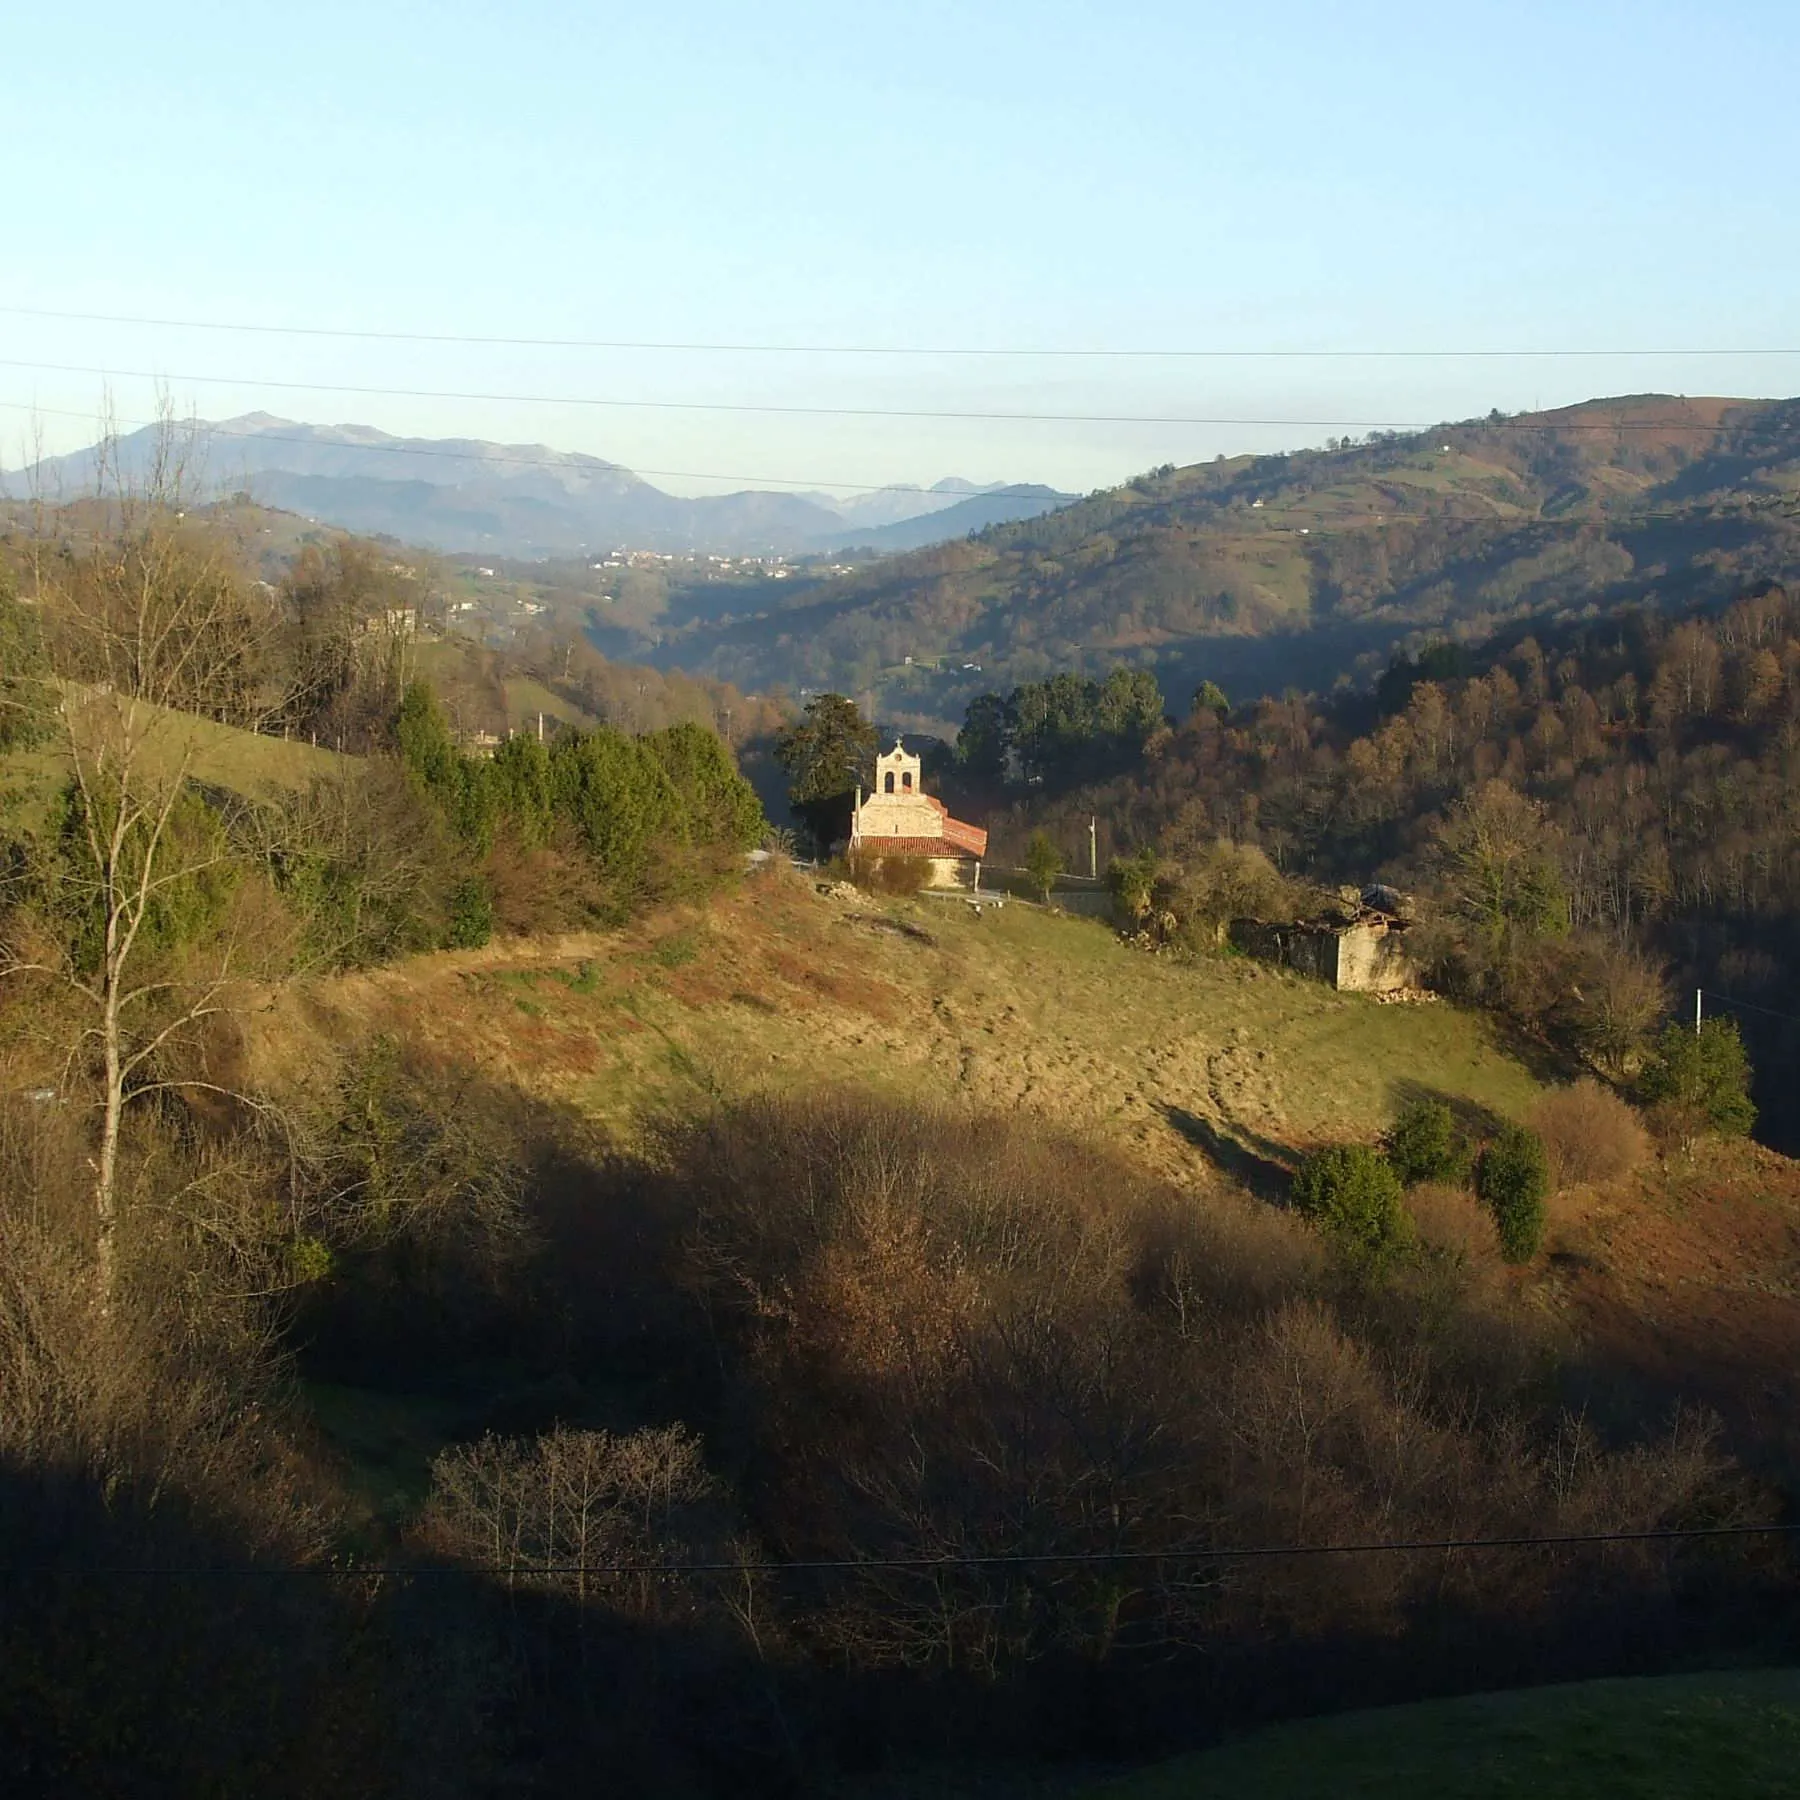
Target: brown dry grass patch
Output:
[(1591, 1134)]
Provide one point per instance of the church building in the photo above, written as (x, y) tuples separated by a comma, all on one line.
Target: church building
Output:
[(901, 819)]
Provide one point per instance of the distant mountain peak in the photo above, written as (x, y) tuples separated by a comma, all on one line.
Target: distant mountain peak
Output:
[(521, 500)]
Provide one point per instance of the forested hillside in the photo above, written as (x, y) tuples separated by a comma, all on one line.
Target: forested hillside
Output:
[(1602, 814), (1274, 571)]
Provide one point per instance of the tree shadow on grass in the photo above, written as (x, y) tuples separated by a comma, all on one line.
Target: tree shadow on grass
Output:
[(1476, 1122), (1263, 1166), (1542, 1061)]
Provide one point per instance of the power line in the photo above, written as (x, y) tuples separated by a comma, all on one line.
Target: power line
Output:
[(1187, 353), (857, 412), (1750, 1006), (933, 1564)]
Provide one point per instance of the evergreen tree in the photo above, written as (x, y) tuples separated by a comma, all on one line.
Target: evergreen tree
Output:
[(1352, 1193), (985, 738), (1043, 863), (619, 799), (1424, 1144), (1514, 1180), (718, 807), (826, 755), (1704, 1073), (1210, 697)]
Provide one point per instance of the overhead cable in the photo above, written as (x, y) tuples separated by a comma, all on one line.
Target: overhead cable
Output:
[(746, 348), (950, 1562), (860, 412)]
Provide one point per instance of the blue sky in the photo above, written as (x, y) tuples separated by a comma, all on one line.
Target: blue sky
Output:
[(1318, 176)]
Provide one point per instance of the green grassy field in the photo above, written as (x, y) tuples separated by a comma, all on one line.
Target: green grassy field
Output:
[(1732, 1736), (526, 698), (241, 762)]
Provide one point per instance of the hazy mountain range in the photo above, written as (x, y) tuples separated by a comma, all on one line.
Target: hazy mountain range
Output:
[(527, 500)]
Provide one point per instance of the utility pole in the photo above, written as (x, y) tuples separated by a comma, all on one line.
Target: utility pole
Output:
[(540, 725), (1093, 848), (1697, 999)]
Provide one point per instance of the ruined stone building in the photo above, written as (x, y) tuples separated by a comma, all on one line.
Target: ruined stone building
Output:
[(1360, 950), (900, 819)]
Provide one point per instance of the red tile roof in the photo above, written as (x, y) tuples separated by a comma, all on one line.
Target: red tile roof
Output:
[(918, 846), (972, 837)]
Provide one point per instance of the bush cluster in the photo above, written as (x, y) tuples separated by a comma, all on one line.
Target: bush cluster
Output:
[(1424, 1144), (646, 814), (429, 848), (1352, 1192), (1355, 1193), (1590, 1133), (1513, 1178), (897, 876), (1701, 1079)]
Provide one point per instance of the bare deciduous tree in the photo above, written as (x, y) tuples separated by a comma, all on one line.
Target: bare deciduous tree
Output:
[(146, 629), (584, 1513)]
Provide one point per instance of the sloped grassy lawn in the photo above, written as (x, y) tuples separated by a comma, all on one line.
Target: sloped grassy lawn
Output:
[(1732, 1736)]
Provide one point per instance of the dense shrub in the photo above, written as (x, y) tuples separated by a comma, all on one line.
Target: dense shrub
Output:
[(1133, 883), (183, 856), (1703, 1076), (26, 710), (1219, 882), (414, 1179), (652, 817), (1589, 1133), (947, 1336), (150, 1438), (878, 873), (1513, 1178), (1452, 1222), (471, 916), (1425, 1145), (1352, 1192)]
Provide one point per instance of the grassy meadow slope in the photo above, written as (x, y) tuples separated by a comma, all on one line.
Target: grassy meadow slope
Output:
[(1218, 1074), (780, 990), (248, 763), (1215, 568), (1730, 1736)]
